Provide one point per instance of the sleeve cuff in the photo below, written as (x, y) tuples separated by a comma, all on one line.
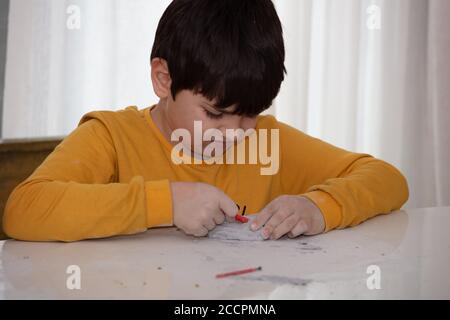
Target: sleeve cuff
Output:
[(330, 208), (159, 204)]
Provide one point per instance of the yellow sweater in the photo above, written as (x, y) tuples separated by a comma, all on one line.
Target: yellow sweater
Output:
[(111, 176)]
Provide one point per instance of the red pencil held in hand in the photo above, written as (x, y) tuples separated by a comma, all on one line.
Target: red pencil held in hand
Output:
[(241, 218)]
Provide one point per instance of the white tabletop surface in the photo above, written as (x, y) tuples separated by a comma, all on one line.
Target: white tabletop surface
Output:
[(410, 250)]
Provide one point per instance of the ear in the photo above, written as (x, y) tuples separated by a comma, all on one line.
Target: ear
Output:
[(160, 77)]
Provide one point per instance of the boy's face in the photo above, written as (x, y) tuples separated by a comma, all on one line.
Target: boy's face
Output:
[(189, 107)]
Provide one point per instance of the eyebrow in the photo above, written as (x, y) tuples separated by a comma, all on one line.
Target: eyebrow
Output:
[(221, 111)]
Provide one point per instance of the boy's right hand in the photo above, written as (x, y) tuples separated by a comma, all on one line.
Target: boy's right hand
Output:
[(199, 207)]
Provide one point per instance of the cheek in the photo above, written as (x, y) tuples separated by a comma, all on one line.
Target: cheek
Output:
[(179, 118), (186, 119), (249, 123)]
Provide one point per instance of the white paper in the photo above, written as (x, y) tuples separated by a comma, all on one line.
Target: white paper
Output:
[(236, 231)]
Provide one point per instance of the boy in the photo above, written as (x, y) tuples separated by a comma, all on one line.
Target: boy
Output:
[(220, 64)]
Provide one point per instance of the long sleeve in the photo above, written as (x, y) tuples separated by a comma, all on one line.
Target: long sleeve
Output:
[(73, 194), (349, 188)]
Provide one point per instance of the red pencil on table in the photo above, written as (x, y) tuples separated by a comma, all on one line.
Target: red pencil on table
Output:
[(236, 273)]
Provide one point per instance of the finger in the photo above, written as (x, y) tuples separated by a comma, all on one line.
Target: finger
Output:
[(227, 205), (231, 219), (200, 232), (276, 219), (284, 227), (219, 218), (262, 217), (300, 228), (210, 224)]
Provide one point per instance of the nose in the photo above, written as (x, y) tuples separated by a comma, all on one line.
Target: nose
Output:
[(235, 122)]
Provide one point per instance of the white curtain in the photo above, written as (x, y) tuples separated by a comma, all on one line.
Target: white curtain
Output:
[(55, 73), (383, 91)]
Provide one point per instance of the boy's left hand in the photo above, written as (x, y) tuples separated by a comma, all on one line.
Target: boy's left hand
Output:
[(289, 214)]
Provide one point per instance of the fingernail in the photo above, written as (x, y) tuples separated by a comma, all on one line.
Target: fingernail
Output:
[(265, 234), (253, 226)]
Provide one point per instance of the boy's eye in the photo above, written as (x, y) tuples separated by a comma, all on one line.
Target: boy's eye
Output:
[(213, 115)]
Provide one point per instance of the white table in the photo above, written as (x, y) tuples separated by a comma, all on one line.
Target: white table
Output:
[(411, 248)]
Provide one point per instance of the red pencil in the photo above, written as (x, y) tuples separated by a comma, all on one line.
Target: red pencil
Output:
[(235, 273), (241, 218)]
